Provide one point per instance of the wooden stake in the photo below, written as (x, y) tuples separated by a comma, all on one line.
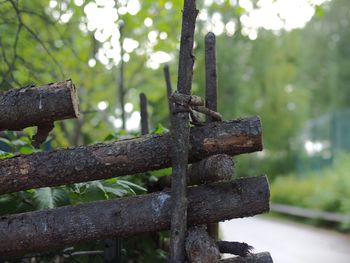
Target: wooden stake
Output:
[(180, 137), (211, 99), (144, 114)]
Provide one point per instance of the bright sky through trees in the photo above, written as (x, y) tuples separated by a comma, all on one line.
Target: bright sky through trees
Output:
[(102, 18)]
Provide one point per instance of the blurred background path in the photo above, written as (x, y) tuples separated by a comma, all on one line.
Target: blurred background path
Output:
[(289, 242)]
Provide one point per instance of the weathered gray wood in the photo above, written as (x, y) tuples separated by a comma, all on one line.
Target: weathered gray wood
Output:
[(236, 248), (36, 106), (263, 257), (49, 229), (211, 95), (200, 248), (105, 160), (180, 131), (210, 74), (215, 168)]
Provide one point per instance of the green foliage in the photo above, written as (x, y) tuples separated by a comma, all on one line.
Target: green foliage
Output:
[(284, 77), (324, 190)]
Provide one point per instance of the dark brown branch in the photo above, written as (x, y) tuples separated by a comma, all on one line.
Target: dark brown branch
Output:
[(210, 109), (169, 89), (235, 248), (210, 75), (55, 228), (35, 106), (121, 75), (105, 160), (144, 114), (180, 130), (200, 248), (263, 257), (213, 115)]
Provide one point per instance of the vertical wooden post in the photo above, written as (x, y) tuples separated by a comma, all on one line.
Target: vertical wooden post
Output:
[(210, 74), (113, 247), (121, 75), (169, 88), (211, 98), (144, 114), (113, 251), (180, 137)]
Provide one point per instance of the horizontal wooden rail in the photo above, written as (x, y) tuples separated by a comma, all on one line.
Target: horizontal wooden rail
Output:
[(106, 160), (36, 106), (49, 229), (310, 213)]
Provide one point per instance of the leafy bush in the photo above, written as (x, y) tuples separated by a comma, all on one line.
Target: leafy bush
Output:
[(325, 190)]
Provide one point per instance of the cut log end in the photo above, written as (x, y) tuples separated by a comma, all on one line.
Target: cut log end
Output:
[(74, 98), (36, 106)]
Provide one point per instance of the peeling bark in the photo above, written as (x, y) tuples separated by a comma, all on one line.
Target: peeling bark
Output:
[(37, 106), (106, 160), (56, 228)]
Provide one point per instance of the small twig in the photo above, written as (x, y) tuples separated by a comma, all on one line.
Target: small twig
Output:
[(215, 116)]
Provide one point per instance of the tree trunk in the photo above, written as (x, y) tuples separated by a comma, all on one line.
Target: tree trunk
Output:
[(36, 106), (55, 228), (105, 160)]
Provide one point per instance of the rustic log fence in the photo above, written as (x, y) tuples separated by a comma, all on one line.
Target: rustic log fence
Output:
[(213, 194)]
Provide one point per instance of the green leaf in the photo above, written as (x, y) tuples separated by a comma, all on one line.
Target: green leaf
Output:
[(6, 141), (26, 150), (160, 129), (47, 197), (4, 155), (116, 191), (319, 11), (130, 185)]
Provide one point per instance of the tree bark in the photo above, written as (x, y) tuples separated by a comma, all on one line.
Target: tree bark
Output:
[(263, 257), (37, 106), (144, 114), (55, 228), (180, 131), (210, 74), (169, 89), (200, 248), (211, 95), (236, 248), (215, 168), (105, 160)]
